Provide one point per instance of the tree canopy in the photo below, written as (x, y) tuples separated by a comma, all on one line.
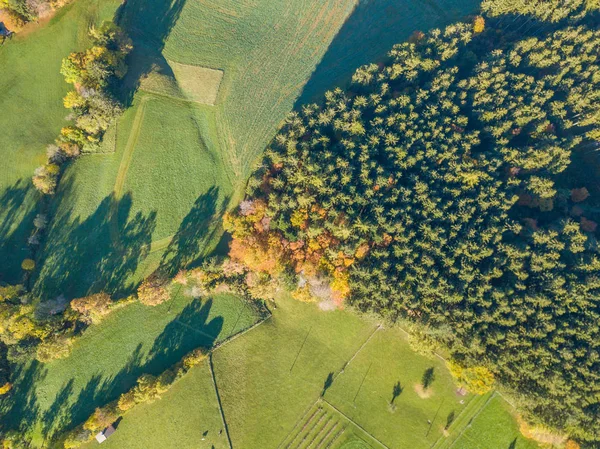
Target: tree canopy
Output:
[(432, 189)]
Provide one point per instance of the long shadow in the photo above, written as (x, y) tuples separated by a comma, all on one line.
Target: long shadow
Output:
[(80, 256), (148, 23), (16, 224), (370, 32), (189, 329), (19, 410), (195, 233)]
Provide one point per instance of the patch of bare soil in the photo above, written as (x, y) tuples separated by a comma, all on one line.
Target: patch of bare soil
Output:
[(422, 393)]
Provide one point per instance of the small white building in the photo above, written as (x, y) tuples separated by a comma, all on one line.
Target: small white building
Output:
[(102, 436)]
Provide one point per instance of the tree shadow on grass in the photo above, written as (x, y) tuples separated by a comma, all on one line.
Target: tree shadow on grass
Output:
[(428, 378), (370, 32), (19, 409), (189, 329), (327, 384), (148, 23), (81, 256), (16, 224), (198, 230)]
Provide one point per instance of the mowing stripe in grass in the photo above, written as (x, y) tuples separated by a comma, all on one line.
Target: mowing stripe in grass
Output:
[(126, 159), (298, 423), (306, 424), (214, 381), (329, 419), (355, 423), (321, 413), (335, 438), (327, 435)]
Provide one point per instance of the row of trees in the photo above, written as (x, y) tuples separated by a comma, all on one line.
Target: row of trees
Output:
[(94, 107), (433, 190), (147, 389)]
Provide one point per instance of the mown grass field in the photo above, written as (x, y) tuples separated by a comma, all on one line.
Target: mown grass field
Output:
[(186, 417), (109, 357), (179, 162), (493, 426), (274, 379), (31, 115)]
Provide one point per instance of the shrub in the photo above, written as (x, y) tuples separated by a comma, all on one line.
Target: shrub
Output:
[(11, 292), (126, 401), (92, 308), (45, 178), (5, 388), (28, 264), (194, 358), (477, 379), (101, 418), (541, 434), (58, 347), (77, 437), (152, 291)]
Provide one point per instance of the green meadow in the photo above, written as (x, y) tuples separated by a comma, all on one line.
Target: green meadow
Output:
[(306, 378), (109, 357), (32, 114)]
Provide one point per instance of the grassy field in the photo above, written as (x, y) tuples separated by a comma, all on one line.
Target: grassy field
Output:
[(109, 357), (365, 390), (32, 113), (304, 378), (308, 378), (178, 163), (186, 417), (493, 426)]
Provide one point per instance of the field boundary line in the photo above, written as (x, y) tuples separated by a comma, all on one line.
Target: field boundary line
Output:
[(354, 422), (460, 422), (214, 380), (239, 334), (379, 326), (173, 98), (473, 418)]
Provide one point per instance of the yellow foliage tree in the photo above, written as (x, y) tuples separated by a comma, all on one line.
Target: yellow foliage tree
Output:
[(5, 388), (476, 379), (478, 24)]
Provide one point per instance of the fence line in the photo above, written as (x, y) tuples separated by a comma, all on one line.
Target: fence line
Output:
[(214, 381)]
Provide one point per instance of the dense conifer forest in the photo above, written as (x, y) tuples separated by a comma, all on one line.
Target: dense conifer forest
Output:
[(435, 188)]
